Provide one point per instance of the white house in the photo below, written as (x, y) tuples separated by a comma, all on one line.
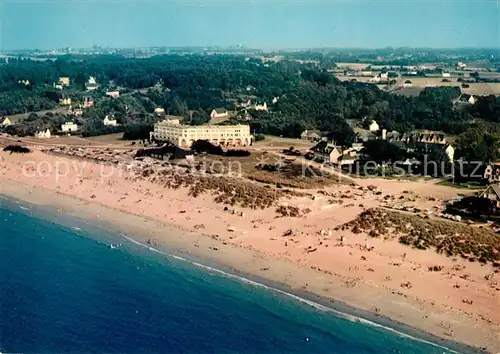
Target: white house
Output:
[(375, 79), (450, 152), (159, 110), (91, 85), (64, 81), (43, 134), (113, 94), (374, 127), (65, 101), (219, 113), (6, 122), (407, 83), (275, 100), (110, 121), (260, 107), (384, 77), (446, 74), (69, 127)]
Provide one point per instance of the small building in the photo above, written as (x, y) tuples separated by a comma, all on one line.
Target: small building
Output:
[(64, 81), (260, 107), (69, 127), (159, 111), (492, 172), (492, 193), (450, 152), (43, 134), (219, 113), (65, 101), (6, 122), (275, 99), (467, 99), (88, 102), (374, 127), (375, 79), (310, 135), (407, 83), (326, 152), (446, 74), (113, 94), (110, 121), (346, 159), (77, 112), (91, 85), (384, 77)]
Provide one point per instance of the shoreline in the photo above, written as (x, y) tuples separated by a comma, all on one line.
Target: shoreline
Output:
[(206, 253)]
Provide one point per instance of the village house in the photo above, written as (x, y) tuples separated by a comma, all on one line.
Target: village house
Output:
[(492, 172), (91, 85), (69, 127), (374, 127), (185, 135), (110, 121), (65, 101), (77, 112), (310, 135), (113, 94), (43, 134), (446, 74), (492, 193), (346, 159), (219, 113), (326, 152), (407, 83), (6, 122), (64, 81), (260, 107), (467, 99), (159, 111), (275, 99), (88, 102)]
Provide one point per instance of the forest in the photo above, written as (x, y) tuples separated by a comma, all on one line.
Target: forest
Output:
[(191, 86)]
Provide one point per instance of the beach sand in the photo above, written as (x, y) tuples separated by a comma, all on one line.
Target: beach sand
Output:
[(380, 277)]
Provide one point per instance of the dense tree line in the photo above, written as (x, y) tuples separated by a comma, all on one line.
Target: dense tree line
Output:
[(192, 85)]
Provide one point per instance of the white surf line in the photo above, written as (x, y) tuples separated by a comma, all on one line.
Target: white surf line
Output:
[(343, 315)]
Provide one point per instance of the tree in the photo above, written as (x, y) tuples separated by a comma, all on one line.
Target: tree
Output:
[(382, 151), (178, 107), (477, 144)]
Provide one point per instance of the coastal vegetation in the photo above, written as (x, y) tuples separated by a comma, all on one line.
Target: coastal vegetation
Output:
[(17, 149), (450, 238)]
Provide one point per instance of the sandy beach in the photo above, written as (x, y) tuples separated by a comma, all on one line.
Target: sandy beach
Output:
[(307, 252)]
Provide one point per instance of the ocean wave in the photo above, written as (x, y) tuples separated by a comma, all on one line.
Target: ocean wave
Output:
[(315, 305)]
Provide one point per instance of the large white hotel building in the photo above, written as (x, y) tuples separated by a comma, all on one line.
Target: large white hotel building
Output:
[(184, 135)]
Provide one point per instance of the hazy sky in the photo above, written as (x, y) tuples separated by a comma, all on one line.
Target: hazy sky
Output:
[(47, 24)]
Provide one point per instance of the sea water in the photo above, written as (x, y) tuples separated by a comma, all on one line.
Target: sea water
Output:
[(64, 289)]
